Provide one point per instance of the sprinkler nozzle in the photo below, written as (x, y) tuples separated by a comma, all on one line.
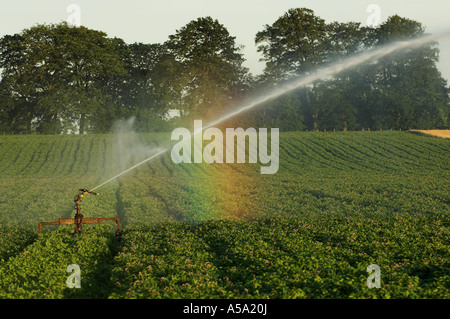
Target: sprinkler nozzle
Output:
[(88, 191)]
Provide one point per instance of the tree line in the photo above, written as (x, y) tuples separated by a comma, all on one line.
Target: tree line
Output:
[(58, 79)]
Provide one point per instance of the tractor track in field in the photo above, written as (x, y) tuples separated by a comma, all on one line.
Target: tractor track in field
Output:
[(120, 208), (46, 158), (169, 210), (75, 157)]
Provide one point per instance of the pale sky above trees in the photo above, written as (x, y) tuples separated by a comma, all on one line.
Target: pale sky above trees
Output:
[(152, 21)]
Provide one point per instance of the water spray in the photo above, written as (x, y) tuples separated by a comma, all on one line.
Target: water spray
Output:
[(324, 72), (162, 151), (321, 73)]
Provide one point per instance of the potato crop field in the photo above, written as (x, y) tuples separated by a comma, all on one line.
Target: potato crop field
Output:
[(339, 202)]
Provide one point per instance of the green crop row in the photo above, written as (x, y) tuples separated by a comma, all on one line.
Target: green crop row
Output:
[(39, 271), (339, 202), (265, 258)]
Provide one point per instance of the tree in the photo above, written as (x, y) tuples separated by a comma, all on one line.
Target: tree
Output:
[(296, 44), (206, 68), (142, 93), (333, 109), (398, 91), (293, 45), (411, 92), (58, 74)]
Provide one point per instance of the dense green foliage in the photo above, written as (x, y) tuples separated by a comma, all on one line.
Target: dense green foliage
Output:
[(399, 91), (339, 202), (284, 258), (59, 79)]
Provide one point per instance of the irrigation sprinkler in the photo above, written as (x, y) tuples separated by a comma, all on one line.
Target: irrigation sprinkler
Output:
[(79, 219)]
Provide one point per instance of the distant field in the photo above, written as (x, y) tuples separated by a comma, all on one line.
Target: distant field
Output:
[(339, 202), (439, 133)]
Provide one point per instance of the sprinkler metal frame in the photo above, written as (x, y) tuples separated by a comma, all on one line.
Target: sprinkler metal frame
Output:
[(79, 219)]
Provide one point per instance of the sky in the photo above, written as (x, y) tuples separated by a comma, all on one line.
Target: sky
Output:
[(152, 21)]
